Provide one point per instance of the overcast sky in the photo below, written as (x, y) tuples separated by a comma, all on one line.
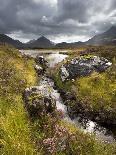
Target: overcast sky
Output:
[(59, 20)]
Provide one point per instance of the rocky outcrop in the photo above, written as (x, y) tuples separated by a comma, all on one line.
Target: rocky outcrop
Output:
[(41, 65), (83, 66), (38, 104)]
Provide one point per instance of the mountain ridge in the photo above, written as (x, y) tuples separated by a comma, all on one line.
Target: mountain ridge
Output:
[(41, 42), (106, 38)]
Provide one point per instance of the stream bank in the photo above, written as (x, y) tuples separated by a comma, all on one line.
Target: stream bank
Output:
[(47, 86)]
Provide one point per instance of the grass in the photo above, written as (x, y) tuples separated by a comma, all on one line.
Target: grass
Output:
[(98, 91), (16, 73), (85, 144)]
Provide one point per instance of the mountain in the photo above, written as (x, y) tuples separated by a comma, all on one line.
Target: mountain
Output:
[(41, 42), (6, 39), (106, 38)]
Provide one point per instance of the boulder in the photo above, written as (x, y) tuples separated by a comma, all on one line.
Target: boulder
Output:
[(36, 103), (39, 70), (40, 60), (83, 66), (67, 96)]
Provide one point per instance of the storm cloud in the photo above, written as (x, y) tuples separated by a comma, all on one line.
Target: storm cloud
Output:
[(59, 20)]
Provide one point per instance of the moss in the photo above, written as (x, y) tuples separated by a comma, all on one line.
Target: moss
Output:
[(88, 56), (66, 86)]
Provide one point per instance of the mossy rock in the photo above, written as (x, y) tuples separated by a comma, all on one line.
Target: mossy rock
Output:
[(37, 104)]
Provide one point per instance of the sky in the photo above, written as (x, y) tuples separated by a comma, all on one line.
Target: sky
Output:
[(58, 20)]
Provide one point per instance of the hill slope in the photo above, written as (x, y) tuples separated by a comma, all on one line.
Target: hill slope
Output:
[(106, 38), (6, 39)]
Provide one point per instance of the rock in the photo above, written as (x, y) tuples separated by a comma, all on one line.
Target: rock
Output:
[(64, 73), (36, 103), (39, 70), (40, 60), (83, 66)]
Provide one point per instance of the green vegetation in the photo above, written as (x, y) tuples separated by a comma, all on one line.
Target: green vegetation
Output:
[(21, 135), (85, 144), (16, 73), (97, 92)]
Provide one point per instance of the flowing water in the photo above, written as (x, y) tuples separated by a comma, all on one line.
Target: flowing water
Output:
[(47, 87)]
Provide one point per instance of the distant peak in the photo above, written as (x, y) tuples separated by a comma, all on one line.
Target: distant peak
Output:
[(42, 37)]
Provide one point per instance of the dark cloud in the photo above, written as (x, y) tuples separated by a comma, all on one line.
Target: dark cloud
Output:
[(56, 19)]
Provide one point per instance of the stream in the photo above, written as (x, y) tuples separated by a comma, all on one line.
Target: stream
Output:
[(47, 87)]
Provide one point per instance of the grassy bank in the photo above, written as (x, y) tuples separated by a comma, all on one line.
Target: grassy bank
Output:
[(97, 92), (16, 73)]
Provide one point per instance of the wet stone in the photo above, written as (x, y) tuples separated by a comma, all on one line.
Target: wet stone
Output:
[(39, 70), (40, 60)]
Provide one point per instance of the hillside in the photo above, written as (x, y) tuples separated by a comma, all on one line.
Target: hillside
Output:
[(106, 38), (6, 39)]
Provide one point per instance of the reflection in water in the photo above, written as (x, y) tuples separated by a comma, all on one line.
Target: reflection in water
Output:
[(34, 53), (54, 59), (47, 87)]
